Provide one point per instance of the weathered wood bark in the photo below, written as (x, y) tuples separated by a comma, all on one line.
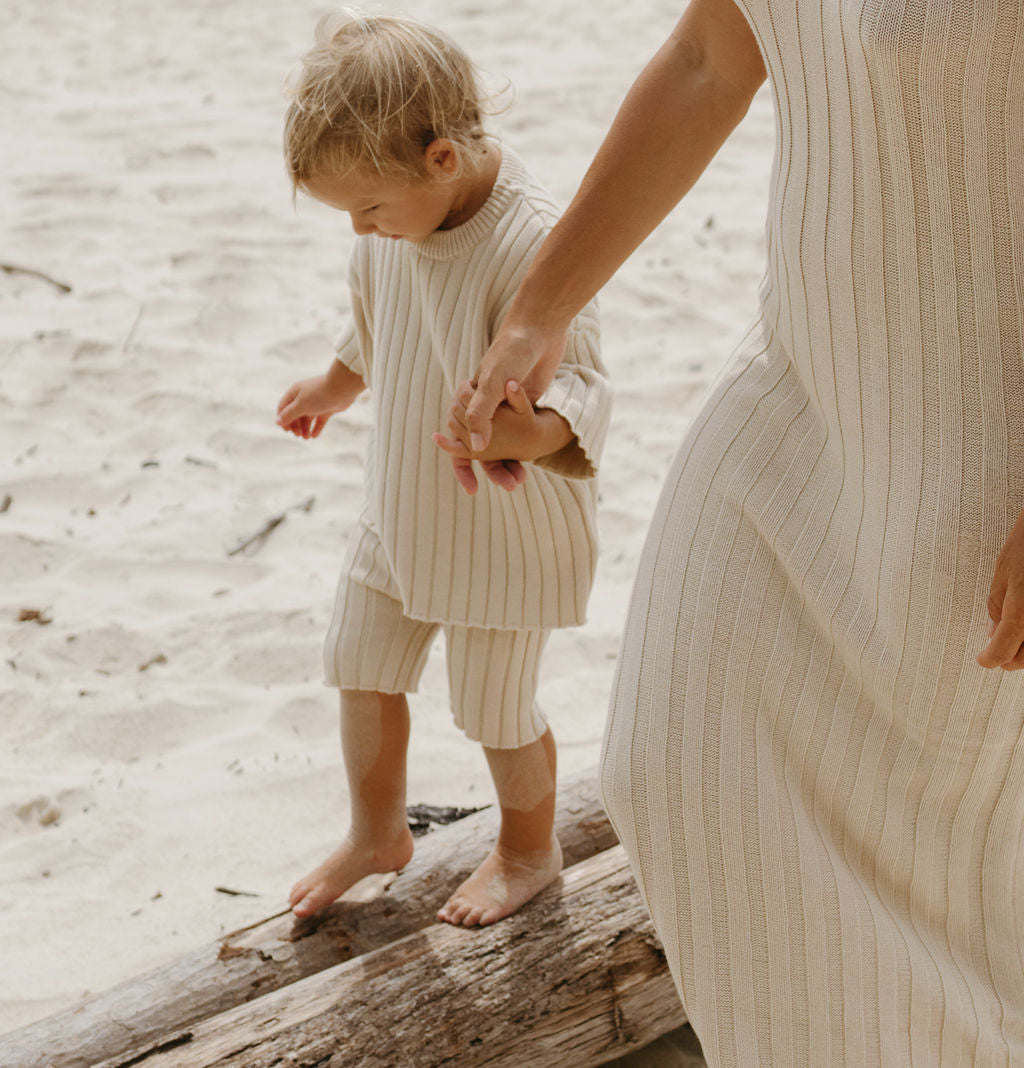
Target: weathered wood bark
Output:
[(272, 954), (576, 979)]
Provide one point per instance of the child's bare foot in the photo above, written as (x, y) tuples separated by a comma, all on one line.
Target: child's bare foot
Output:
[(504, 882), (349, 863)]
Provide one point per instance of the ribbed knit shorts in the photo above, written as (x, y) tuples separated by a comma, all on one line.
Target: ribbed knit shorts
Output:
[(373, 645)]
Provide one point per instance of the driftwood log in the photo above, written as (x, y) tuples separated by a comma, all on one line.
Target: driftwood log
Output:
[(576, 978), (251, 963)]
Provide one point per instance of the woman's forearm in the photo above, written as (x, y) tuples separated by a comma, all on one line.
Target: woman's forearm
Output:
[(680, 110)]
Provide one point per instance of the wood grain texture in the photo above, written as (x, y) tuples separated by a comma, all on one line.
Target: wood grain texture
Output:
[(258, 960), (576, 978)]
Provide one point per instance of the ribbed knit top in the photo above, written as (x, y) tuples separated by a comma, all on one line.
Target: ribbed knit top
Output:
[(422, 317)]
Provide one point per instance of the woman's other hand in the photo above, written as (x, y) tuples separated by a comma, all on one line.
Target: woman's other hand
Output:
[(1005, 647)]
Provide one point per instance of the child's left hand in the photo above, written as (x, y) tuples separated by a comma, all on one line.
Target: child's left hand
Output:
[(520, 434)]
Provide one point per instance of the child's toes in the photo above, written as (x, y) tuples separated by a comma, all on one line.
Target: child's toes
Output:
[(303, 907), (454, 912), (309, 903)]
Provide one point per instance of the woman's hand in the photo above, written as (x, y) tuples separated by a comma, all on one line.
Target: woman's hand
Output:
[(516, 355), (673, 120), (1005, 647), (519, 434)]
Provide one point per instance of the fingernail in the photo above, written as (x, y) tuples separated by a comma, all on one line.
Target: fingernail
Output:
[(477, 441)]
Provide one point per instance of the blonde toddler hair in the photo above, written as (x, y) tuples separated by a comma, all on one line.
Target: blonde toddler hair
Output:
[(373, 93)]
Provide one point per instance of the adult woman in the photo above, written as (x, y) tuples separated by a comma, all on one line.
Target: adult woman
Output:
[(821, 790)]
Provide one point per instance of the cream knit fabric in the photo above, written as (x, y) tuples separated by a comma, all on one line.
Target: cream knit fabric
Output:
[(423, 315), (822, 793)]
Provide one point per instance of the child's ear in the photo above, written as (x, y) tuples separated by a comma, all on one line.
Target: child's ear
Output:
[(440, 158)]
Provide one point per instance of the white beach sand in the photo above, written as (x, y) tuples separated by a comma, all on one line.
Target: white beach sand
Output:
[(163, 728)]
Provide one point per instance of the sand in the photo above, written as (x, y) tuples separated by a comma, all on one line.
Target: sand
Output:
[(164, 733)]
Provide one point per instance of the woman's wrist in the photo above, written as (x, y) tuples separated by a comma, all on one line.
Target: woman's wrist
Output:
[(536, 312)]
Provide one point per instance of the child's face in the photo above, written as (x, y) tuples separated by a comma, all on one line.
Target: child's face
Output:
[(410, 210)]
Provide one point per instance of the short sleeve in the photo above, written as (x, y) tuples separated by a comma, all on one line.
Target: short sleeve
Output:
[(581, 393)]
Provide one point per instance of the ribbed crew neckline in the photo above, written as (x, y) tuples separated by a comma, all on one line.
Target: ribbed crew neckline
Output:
[(450, 244)]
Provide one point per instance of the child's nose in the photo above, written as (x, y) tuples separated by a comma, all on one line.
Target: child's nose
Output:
[(361, 226)]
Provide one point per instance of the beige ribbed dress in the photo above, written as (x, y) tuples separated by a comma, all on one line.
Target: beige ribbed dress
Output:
[(822, 793)]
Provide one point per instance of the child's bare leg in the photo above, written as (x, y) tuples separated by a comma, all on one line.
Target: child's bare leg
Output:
[(374, 739), (527, 856)]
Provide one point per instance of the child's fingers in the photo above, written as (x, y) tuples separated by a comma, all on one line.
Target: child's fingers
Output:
[(289, 396), (465, 475), (455, 449), (517, 470), (290, 414), (508, 474)]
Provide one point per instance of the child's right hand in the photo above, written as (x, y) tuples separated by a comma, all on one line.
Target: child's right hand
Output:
[(307, 405)]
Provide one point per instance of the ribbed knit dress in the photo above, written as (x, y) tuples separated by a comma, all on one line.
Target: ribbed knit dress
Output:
[(821, 792)]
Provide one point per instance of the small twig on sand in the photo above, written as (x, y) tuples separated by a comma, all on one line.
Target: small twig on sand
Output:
[(12, 268), (271, 525), (234, 893), (130, 337), (248, 927)]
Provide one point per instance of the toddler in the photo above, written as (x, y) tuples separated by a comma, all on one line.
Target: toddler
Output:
[(385, 125)]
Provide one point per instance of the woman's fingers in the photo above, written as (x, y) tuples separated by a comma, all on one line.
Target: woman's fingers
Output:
[(1005, 648), (516, 397), (480, 409), (456, 422)]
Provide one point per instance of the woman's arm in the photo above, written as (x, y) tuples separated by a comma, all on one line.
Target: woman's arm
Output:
[(680, 110)]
